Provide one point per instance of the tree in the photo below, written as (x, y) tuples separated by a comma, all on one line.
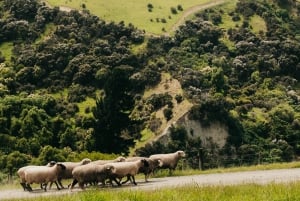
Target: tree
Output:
[(112, 129)]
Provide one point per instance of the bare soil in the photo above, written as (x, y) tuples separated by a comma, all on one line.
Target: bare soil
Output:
[(236, 178)]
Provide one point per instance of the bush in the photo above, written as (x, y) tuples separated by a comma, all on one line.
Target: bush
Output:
[(179, 7), (168, 113), (173, 10)]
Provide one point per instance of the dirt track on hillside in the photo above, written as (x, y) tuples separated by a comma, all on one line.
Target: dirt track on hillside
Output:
[(195, 9), (236, 178)]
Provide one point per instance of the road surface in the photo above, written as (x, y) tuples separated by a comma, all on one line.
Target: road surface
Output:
[(235, 178)]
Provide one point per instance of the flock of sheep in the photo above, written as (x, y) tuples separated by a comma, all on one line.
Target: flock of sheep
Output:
[(96, 172)]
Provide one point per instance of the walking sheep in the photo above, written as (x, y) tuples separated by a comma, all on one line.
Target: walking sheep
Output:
[(21, 173), (67, 173), (43, 174), (90, 173), (153, 164), (126, 169), (170, 160)]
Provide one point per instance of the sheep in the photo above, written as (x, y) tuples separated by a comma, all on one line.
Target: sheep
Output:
[(21, 173), (129, 169), (153, 164), (170, 160), (67, 173), (102, 162), (43, 174), (90, 173)]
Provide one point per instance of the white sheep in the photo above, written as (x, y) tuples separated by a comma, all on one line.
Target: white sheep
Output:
[(170, 160), (102, 162), (153, 164), (21, 173), (67, 173), (43, 174), (126, 169), (90, 173)]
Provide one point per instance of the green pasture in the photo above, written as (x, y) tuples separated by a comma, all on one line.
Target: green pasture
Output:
[(246, 192), (134, 11)]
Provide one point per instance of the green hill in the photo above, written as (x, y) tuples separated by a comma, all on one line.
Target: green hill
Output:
[(152, 16), (76, 85)]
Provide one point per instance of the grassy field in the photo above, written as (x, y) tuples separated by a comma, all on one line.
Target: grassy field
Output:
[(134, 11), (247, 192)]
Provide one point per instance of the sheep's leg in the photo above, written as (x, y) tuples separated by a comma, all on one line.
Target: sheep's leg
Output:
[(73, 183), (117, 182), (81, 185), (128, 179), (57, 186), (28, 187), (60, 184), (133, 179), (23, 184), (45, 186)]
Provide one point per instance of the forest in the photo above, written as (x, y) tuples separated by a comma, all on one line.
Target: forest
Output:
[(52, 62)]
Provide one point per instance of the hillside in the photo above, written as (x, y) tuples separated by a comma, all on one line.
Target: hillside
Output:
[(155, 17), (73, 85)]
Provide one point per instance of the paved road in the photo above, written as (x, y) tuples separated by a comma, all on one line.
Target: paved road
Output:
[(257, 177)]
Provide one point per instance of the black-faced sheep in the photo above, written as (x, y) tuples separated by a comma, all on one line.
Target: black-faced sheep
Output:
[(21, 173), (90, 173), (126, 169), (67, 173), (43, 174), (102, 162), (170, 160), (153, 164)]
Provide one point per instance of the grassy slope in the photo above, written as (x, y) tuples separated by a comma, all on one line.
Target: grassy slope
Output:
[(6, 49), (134, 11), (173, 88)]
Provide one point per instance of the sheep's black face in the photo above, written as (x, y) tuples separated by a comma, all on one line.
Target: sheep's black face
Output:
[(52, 163), (145, 162), (63, 167)]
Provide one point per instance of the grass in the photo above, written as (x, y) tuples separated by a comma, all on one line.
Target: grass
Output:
[(50, 27), (134, 11), (258, 24), (88, 103), (6, 49), (247, 192)]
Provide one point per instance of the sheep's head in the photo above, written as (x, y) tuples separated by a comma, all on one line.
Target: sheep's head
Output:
[(51, 163), (61, 166), (160, 163), (145, 162), (109, 169), (120, 159), (85, 161), (181, 154)]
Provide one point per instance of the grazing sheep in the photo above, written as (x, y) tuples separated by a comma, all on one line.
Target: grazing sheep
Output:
[(21, 173), (153, 164), (43, 174), (102, 162), (67, 173), (90, 173), (128, 169), (170, 160)]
